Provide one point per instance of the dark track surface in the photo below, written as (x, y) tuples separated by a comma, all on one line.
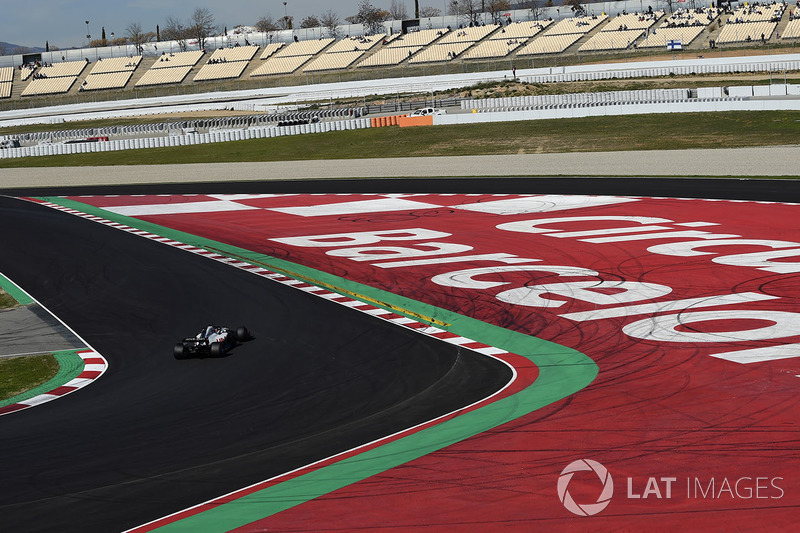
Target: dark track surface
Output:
[(786, 190), (156, 435)]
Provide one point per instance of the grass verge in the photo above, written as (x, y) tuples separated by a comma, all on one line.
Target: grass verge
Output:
[(20, 374), (6, 301), (589, 134)]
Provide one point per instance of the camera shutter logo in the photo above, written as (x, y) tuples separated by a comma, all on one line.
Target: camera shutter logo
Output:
[(585, 509)]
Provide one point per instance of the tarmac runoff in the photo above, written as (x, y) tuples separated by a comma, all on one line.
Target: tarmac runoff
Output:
[(30, 329), (739, 162)]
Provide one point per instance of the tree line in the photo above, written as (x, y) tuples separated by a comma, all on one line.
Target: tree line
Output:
[(202, 24)]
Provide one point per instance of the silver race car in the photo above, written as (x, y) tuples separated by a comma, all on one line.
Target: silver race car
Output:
[(212, 340)]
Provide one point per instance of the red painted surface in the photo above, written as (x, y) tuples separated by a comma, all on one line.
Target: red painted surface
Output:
[(60, 391), (659, 409), (12, 408)]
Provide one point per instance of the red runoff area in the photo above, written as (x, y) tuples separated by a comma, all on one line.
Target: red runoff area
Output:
[(721, 436)]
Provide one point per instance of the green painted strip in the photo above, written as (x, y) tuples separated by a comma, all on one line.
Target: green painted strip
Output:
[(14, 291), (70, 365), (562, 371)]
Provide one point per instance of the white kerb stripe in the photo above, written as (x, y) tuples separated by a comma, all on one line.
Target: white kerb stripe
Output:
[(351, 208), (178, 208), (36, 400), (541, 204)]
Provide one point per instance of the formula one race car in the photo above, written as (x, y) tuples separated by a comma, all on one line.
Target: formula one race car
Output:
[(212, 340)]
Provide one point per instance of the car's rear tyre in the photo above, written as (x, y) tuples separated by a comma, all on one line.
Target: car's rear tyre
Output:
[(242, 333), (215, 349), (179, 352)]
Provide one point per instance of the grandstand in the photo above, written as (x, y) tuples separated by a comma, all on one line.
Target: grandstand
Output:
[(550, 44), (237, 53), (359, 43), (557, 37), (346, 52), (55, 79), (661, 37), (163, 76), (521, 30), (611, 40), (453, 44), (270, 49), (170, 68), (6, 79), (576, 25), (112, 73), (468, 35), (621, 31), (440, 52), (221, 71), (303, 48), (334, 61), (745, 32), (107, 80), (755, 12), (493, 48), (41, 86), (389, 56), (115, 64), (280, 65), (751, 22), (692, 17), (226, 63), (592, 33), (505, 41), (68, 68), (178, 59), (792, 30), (405, 46), (26, 72), (633, 21), (683, 26), (284, 60), (417, 38)]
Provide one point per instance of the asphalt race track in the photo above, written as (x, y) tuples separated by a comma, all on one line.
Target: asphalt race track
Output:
[(156, 435)]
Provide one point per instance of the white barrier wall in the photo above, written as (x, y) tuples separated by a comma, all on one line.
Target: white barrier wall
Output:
[(689, 106), (494, 110)]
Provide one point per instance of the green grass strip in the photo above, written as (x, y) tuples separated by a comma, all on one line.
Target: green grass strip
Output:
[(729, 129), (70, 365), (14, 291), (562, 371)]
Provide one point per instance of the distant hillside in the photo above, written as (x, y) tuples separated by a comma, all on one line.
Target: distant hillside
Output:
[(7, 49)]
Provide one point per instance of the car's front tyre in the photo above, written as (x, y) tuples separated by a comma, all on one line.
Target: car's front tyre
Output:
[(216, 349), (242, 334), (179, 351)]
